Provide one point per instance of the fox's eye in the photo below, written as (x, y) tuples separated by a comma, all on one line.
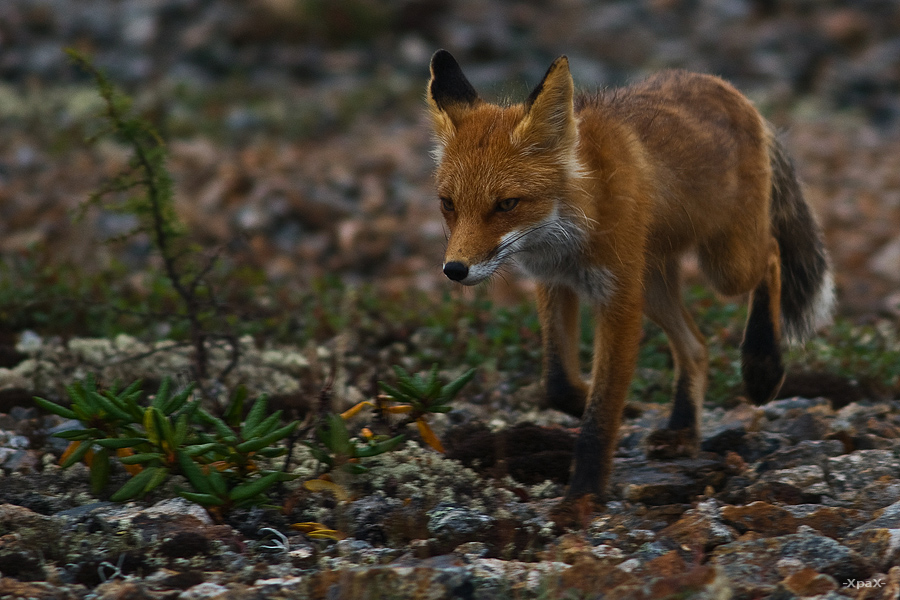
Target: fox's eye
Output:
[(447, 204), (507, 204)]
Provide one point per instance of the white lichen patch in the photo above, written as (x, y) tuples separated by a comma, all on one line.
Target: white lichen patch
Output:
[(426, 475), (53, 364)]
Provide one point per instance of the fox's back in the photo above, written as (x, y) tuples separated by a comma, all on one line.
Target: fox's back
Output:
[(706, 144)]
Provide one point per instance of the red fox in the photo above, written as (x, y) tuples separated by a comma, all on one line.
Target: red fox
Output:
[(597, 197)]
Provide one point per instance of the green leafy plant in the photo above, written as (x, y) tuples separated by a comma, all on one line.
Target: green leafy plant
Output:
[(414, 396), (337, 449), (222, 459), (426, 394), (419, 396)]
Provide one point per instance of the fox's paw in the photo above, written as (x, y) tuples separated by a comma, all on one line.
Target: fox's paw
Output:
[(672, 443)]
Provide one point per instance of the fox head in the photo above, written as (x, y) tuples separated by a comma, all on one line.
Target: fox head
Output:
[(503, 172)]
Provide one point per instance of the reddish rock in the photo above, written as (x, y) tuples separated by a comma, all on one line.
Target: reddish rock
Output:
[(591, 576), (696, 582), (738, 492), (699, 530), (570, 548), (833, 521), (808, 582), (438, 577), (117, 589), (12, 588), (762, 517)]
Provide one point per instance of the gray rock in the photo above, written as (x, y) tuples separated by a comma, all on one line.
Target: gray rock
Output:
[(888, 517), (750, 445), (849, 473), (878, 545), (778, 409), (452, 524), (368, 517), (802, 477), (667, 482), (807, 452)]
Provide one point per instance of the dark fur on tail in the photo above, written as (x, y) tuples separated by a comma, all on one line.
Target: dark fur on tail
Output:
[(807, 286), (806, 295)]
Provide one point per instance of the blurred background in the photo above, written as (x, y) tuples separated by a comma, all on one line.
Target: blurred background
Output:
[(298, 141)]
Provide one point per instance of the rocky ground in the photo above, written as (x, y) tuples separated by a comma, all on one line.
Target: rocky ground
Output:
[(298, 144), (794, 499)]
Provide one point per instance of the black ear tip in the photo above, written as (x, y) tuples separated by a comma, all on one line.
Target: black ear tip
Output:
[(443, 60)]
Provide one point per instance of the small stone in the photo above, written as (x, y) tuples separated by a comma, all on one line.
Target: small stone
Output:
[(204, 591), (116, 589), (472, 550), (453, 525), (788, 566), (629, 565)]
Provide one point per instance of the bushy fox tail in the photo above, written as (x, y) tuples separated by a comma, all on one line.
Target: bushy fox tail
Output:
[(799, 286), (807, 284)]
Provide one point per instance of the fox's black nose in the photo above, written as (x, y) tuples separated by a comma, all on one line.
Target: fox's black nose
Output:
[(456, 270)]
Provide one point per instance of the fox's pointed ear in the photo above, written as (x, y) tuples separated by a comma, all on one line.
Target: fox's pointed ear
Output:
[(549, 120), (448, 85), (449, 96)]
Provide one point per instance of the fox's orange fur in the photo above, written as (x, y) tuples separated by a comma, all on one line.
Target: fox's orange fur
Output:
[(598, 197)]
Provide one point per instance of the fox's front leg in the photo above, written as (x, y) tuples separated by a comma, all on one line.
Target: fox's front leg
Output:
[(558, 312), (616, 341)]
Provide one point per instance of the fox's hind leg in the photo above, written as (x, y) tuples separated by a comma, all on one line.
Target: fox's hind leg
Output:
[(745, 259), (559, 316), (761, 365), (665, 307)]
